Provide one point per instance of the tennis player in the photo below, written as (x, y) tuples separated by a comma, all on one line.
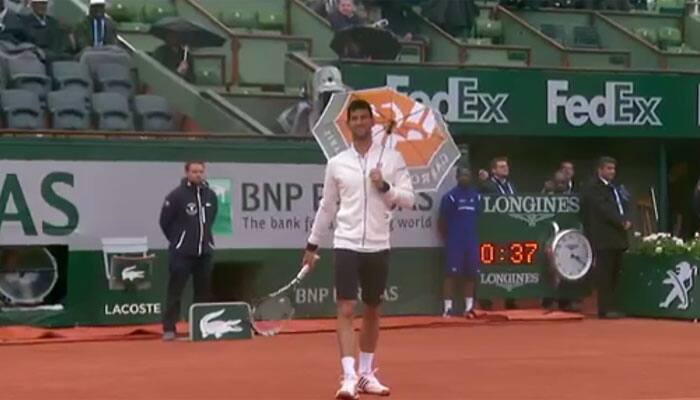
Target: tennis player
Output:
[(362, 185)]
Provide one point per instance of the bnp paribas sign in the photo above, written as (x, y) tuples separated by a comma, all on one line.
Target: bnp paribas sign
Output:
[(618, 104)]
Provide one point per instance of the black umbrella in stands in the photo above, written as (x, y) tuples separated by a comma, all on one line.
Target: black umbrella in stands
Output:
[(186, 33), (366, 42)]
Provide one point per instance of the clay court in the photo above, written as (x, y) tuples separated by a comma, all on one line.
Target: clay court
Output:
[(590, 359)]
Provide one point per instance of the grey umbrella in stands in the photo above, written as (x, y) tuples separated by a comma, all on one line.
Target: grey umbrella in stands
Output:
[(186, 33)]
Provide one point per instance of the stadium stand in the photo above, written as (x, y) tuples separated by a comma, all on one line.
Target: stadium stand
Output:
[(272, 48)]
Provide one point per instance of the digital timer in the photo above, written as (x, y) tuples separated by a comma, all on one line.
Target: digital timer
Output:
[(512, 253)]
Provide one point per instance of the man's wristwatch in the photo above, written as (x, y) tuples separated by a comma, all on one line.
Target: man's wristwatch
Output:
[(311, 247)]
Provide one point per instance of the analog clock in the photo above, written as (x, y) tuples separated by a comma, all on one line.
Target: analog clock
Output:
[(571, 254)]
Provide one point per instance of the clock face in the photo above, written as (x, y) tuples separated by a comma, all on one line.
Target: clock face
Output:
[(572, 254)]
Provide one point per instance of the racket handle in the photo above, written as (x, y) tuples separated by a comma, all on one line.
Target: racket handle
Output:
[(305, 270)]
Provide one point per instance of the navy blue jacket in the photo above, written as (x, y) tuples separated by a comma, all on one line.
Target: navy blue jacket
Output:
[(187, 217)]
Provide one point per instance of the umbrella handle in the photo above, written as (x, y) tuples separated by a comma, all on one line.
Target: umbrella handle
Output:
[(384, 140)]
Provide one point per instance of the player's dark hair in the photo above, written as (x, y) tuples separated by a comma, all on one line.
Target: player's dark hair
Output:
[(192, 162), (496, 160), (602, 161), (359, 104)]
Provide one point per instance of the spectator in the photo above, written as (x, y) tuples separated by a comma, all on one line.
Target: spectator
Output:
[(459, 211), (454, 16), (176, 58), (606, 222), (11, 26), (96, 30), (497, 182), (45, 31), (567, 167), (398, 13), (344, 17), (557, 185)]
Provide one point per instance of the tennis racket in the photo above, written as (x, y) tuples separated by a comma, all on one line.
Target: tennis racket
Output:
[(271, 312)]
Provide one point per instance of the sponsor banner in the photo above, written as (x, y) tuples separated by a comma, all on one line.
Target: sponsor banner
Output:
[(514, 232), (220, 321), (260, 205), (546, 102), (660, 286)]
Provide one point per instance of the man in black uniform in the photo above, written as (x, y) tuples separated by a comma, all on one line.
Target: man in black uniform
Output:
[(605, 222), (186, 220)]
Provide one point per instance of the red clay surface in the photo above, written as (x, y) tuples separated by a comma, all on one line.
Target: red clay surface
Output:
[(628, 359)]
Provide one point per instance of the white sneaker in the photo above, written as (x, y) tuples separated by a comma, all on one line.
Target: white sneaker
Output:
[(370, 384), (447, 313), (348, 388)]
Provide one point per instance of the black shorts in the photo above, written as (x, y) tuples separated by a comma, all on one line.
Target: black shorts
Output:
[(368, 271)]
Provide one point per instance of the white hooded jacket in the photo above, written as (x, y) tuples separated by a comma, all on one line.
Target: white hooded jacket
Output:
[(361, 212)]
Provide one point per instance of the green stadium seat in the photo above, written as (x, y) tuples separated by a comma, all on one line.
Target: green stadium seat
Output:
[(488, 28), (670, 6), (125, 10), (154, 10), (133, 27), (153, 114), (271, 21), (22, 109), (555, 32), (29, 74), (586, 37), (68, 110), (647, 34), (112, 112), (669, 37), (116, 78), (207, 71), (239, 19), (71, 75), (682, 49), (479, 41)]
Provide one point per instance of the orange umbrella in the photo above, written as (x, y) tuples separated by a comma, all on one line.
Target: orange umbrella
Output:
[(415, 130)]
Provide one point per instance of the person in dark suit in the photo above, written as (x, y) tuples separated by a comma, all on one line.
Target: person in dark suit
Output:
[(497, 182), (605, 223), (46, 32), (96, 30), (11, 26)]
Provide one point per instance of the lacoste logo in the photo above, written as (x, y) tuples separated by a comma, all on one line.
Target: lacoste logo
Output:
[(209, 326), (681, 280), (130, 273)]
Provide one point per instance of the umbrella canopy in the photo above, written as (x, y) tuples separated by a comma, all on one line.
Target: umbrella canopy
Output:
[(415, 130), (365, 41), (186, 33)]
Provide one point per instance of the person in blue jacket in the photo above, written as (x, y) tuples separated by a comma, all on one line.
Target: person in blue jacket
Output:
[(457, 224)]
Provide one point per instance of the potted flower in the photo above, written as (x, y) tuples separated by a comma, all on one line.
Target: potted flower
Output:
[(658, 277)]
